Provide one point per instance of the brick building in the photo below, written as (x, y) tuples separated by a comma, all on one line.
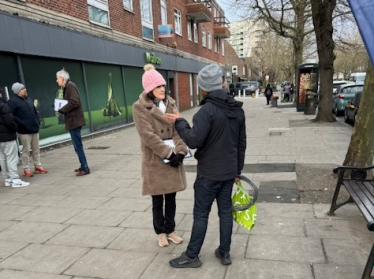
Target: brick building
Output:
[(104, 45)]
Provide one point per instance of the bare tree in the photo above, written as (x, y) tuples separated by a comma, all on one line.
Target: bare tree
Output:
[(361, 148), (322, 20)]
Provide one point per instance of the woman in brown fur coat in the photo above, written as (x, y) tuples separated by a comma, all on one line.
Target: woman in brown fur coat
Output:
[(159, 180)]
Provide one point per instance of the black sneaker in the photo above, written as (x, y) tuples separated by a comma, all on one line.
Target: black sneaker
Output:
[(225, 258), (185, 261)]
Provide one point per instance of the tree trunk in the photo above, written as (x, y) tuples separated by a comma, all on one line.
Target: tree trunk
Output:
[(322, 21), (361, 148)]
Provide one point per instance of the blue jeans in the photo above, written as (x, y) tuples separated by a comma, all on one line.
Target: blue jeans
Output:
[(206, 191), (78, 147)]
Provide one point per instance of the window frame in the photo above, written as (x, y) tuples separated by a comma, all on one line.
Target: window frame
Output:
[(177, 22), (164, 8), (131, 8), (195, 33), (100, 5), (203, 37), (189, 30), (209, 40), (147, 23)]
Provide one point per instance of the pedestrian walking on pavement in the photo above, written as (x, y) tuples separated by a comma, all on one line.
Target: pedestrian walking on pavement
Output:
[(8, 147), (219, 135), (291, 92), (28, 122), (268, 93), (160, 180), (74, 118)]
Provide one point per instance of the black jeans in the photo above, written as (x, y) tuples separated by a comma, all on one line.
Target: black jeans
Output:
[(206, 191), (164, 223)]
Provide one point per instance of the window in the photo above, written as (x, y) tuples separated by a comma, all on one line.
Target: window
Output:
[(164, 15), (223, 48), (216, 45), (189, 27), (195, 34), (209, 40), (203, 37), (177, 22), (243, 70), (98, 11), (127, 4), (147, 20)]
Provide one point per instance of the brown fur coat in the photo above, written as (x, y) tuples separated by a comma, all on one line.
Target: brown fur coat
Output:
[(158, 178)]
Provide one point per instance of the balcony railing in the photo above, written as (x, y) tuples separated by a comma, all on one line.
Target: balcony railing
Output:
[(221, 27), (199, 12)]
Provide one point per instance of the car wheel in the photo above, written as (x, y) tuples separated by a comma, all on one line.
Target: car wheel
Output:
[(346, 120)]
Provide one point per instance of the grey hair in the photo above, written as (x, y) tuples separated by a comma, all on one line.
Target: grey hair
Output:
[(63, 74)]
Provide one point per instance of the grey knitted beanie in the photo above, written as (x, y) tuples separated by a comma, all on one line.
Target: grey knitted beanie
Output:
[(16, 87), (210, 78)]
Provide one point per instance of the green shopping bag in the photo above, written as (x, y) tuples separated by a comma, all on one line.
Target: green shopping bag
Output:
[(246, 217)]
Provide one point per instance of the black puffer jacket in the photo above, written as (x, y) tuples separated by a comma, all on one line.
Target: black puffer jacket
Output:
[(8, 127), (25, 114), (219, 135)]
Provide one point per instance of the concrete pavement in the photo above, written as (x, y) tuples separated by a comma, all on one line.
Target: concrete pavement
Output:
[(99, 226)]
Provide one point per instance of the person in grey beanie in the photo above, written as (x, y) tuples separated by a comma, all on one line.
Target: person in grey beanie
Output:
[(218, 133), (28, 122)]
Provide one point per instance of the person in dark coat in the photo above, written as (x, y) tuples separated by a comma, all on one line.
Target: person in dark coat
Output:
[(268, 93), (74, 118), (219, 135), (28, 122), (8, 147)]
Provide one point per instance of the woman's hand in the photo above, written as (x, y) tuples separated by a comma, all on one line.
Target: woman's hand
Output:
[(171, 117)]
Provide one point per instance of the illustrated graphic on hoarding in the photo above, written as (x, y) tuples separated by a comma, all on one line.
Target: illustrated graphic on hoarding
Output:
[(111, 108), (165, 31), (60, 116), (305, 85)]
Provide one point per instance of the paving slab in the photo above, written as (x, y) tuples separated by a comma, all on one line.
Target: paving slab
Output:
[(347, 252), (11, 212), (109, 218), (132, 239), (6, 224), (81, 202), (6, 197), (286, 248), (340, 229), (159, 268), (266, 269), (31, 232), (49, 214), (332, 271), (128, 204), (112, 264), (15, 274), (86, 236), (44, 258), (279, 227), (8, 248)]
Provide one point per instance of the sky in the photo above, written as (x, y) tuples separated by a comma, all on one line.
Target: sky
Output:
[(229, 13)]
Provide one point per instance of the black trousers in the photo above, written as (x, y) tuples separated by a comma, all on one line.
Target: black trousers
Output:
[(164, 222)]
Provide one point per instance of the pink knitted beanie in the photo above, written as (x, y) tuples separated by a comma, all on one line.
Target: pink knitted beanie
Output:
[(151, 78)]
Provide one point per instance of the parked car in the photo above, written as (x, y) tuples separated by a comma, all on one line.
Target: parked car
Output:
[(343, 95), (336, 84), (248, 87), (351, 109)]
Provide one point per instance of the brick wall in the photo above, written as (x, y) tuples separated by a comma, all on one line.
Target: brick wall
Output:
[(184, 90), (129, 23)]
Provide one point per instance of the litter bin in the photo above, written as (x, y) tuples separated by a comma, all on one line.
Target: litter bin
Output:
[(310, 103)]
